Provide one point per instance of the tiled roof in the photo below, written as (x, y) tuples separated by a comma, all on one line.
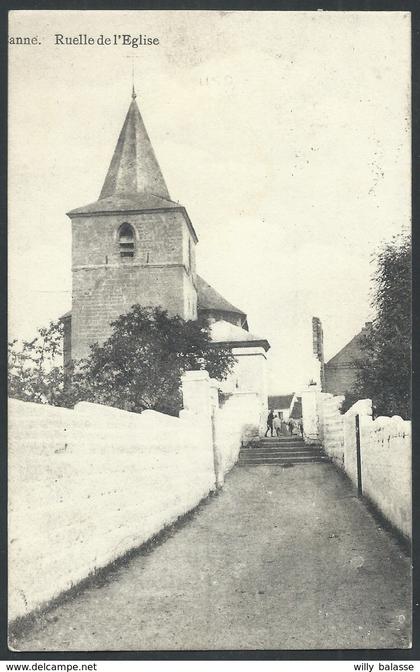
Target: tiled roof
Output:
[(352, 351), (280, 401), (210, 299), (126, 202)]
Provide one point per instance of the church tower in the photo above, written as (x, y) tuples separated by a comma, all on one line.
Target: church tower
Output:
[(133, 245)]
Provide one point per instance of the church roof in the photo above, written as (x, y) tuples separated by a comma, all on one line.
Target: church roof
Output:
[(134, 167), (134, 180), (118, 202), (210, 299), (230, 334)]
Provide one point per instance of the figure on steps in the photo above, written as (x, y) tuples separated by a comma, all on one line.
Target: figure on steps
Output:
[(269, 423), (277, 425)]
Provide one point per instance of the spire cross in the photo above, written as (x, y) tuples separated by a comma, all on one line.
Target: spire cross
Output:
[(133, 93)]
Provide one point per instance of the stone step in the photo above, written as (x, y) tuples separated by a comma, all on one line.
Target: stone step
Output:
[(297, 446), (283, 449), (282, 461), (281, 438), (278, 446), (287, 439), (280, 451), (280, 454), (283, 454)]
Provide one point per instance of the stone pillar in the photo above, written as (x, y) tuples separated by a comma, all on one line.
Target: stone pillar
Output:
[(198, 393), (310, 417), (217, 455)]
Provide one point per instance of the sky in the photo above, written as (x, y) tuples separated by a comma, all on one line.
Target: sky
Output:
[(286, 135)]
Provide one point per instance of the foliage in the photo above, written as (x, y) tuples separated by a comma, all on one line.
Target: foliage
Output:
[(35, 371), (138, 367), (350, 398), (384, 370)]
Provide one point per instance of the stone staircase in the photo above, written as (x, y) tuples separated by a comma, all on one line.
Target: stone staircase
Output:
[(284, 451)]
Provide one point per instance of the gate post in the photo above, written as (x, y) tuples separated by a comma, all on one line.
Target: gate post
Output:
[(310, 415), (200, 397), (217, 457)]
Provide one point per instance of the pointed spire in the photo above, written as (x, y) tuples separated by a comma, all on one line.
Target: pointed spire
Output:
[(134, 168)]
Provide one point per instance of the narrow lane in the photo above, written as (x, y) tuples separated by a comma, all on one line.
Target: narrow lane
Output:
[(280, 559)]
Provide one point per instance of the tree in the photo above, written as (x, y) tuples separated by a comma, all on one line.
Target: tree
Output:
[(140, 365), (384, 370), (35, 371)]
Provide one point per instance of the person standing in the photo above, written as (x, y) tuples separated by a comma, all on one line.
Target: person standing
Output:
[(290, 424), (270, 419), (277, 425), (301, 427)]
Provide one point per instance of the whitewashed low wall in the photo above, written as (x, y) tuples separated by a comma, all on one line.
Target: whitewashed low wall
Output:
[(89, 484), (310, 416), (363, 409), (332, 427), (236, 421), (385, 452), (385, 446)]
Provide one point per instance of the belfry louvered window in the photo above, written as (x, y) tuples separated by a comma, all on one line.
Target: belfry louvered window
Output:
[(126, 240)]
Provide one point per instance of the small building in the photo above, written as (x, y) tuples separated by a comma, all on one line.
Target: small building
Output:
[(249, 376), (341, 370), (281, 405), (296, 412)]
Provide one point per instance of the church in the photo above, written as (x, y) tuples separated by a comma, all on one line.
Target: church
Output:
[(136, 245)]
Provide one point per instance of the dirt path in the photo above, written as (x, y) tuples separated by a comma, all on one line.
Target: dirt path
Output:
[(280, 559)]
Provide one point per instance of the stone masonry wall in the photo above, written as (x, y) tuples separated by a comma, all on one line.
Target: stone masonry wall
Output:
[(340, 378), (159, 238), (100, 295), (106, 285)]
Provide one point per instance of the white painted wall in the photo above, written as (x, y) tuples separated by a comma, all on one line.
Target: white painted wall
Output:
[(237, 421), (249, 378), (89, 484), (310, 414), (362, 408), (385, 446), (385, 466), (331, 426)]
